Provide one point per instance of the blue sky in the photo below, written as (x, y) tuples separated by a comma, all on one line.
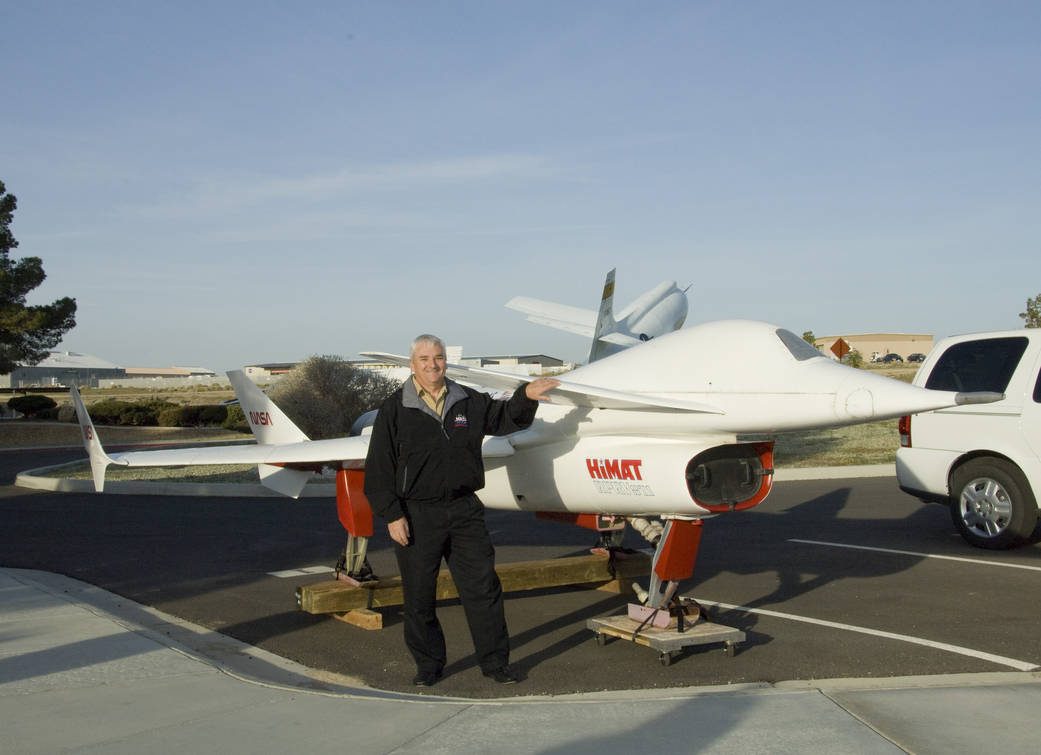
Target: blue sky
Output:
[(228, 183)]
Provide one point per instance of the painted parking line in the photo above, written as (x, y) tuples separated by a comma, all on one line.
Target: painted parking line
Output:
[(1000, 660), (918, 555), (301, 572)]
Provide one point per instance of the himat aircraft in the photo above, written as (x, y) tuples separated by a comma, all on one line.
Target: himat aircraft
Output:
[(649, 431)]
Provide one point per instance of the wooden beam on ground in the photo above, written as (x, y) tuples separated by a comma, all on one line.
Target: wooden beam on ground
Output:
[(337, 597)]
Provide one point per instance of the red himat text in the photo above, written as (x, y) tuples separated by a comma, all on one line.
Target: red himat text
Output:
[(614, 469)]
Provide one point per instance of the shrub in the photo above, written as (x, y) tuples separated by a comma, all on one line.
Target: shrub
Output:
[(205, 415), (212, 415), (854, 359), (67, 413), (108, 411), (235, 419), (139, 415), (32, 404), (169, 417), (323, 395)]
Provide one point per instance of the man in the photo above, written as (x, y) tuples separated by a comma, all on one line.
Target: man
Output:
[(422, 471)]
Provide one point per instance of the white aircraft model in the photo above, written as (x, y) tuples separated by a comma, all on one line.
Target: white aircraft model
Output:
[(653, 313), (648, 431)]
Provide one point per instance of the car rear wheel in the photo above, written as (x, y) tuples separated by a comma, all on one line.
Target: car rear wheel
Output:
[(991, 505)]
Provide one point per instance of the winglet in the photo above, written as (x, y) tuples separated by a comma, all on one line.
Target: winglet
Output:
[(604, 320), (99, 460)]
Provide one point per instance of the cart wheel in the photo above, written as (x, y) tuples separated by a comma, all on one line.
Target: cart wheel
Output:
[(665, 658), (728, 648), (601, 639)]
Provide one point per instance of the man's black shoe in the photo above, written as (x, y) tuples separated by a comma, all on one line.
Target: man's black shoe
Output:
[(426, 678), (502, 675)]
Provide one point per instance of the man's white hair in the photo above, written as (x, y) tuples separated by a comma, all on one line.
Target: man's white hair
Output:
[(425, 338)]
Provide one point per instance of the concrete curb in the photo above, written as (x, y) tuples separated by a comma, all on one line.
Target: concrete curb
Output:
[(31, 479)]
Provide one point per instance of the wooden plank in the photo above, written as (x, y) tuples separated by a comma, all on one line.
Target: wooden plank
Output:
[(361, 617), (338, 597)]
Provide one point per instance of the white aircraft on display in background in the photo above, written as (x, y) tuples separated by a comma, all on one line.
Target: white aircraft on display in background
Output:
[(656, 312), (648, 431)]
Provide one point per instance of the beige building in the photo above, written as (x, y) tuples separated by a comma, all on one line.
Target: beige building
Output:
[(872, 345)]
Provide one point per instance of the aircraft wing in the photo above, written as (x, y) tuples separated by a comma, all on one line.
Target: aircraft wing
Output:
[(346, 452), (559, 316), (304, 453), (570, 394)]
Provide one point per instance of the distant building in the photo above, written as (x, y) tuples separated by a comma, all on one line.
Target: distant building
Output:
[(519, 364), (871, 344), (168, 372), (165, 377), (63, 368), (268, 373)]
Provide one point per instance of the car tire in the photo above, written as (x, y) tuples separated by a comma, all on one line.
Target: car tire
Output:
[(991, 504)]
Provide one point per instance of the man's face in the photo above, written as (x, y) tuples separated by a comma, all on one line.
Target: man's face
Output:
[(428, 365)]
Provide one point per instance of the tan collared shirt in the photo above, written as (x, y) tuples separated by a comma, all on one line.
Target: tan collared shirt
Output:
[(436, 403)]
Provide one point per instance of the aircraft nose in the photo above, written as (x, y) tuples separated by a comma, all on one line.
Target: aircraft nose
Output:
[(876, 397)]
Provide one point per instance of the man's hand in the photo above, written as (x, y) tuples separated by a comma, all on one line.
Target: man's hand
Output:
[(399, 531), (537, 389)]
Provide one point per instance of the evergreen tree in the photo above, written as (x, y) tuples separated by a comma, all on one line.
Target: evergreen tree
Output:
[(27, 333), (1032, 317)]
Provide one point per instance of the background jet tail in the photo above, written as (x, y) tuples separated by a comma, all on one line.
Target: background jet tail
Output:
[(605, 323), (99, 460)]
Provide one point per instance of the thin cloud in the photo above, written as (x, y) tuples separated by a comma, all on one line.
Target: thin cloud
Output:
[(227, 194)]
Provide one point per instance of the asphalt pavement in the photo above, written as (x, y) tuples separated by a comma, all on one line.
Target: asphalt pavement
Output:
[(85, 669)]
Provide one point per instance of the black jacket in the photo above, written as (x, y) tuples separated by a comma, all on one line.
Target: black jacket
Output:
[(417, 457)]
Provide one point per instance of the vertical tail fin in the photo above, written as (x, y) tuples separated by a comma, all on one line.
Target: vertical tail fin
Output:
[(99, 460), (270, 426), (604, 320)]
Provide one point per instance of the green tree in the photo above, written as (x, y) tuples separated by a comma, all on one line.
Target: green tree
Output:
[(27, 332), (1032, 317), (811, 339), (323, 395), (854, 359)]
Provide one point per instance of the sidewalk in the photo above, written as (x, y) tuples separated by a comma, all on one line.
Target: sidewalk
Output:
[(83, 670)]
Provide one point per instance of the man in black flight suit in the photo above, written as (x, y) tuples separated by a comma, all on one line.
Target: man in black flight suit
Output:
[(422, 471)]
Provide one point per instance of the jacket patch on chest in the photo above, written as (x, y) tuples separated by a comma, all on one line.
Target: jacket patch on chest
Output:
[(460, 421)]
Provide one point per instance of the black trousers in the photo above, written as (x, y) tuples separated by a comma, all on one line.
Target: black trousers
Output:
[(453, 530)]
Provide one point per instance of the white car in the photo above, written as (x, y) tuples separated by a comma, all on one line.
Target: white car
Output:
[(983, 460)]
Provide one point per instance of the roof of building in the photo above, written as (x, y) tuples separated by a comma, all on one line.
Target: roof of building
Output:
[(271, 366), (72, 360)]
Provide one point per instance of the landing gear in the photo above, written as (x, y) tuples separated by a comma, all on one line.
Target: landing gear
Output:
[(353, 566), (356, 517), (664, 620)]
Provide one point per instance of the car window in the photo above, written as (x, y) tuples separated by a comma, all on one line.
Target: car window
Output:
[(1037, 389), (983, 365)]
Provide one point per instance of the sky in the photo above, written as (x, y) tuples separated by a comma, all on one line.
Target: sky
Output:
[(222, 184)]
